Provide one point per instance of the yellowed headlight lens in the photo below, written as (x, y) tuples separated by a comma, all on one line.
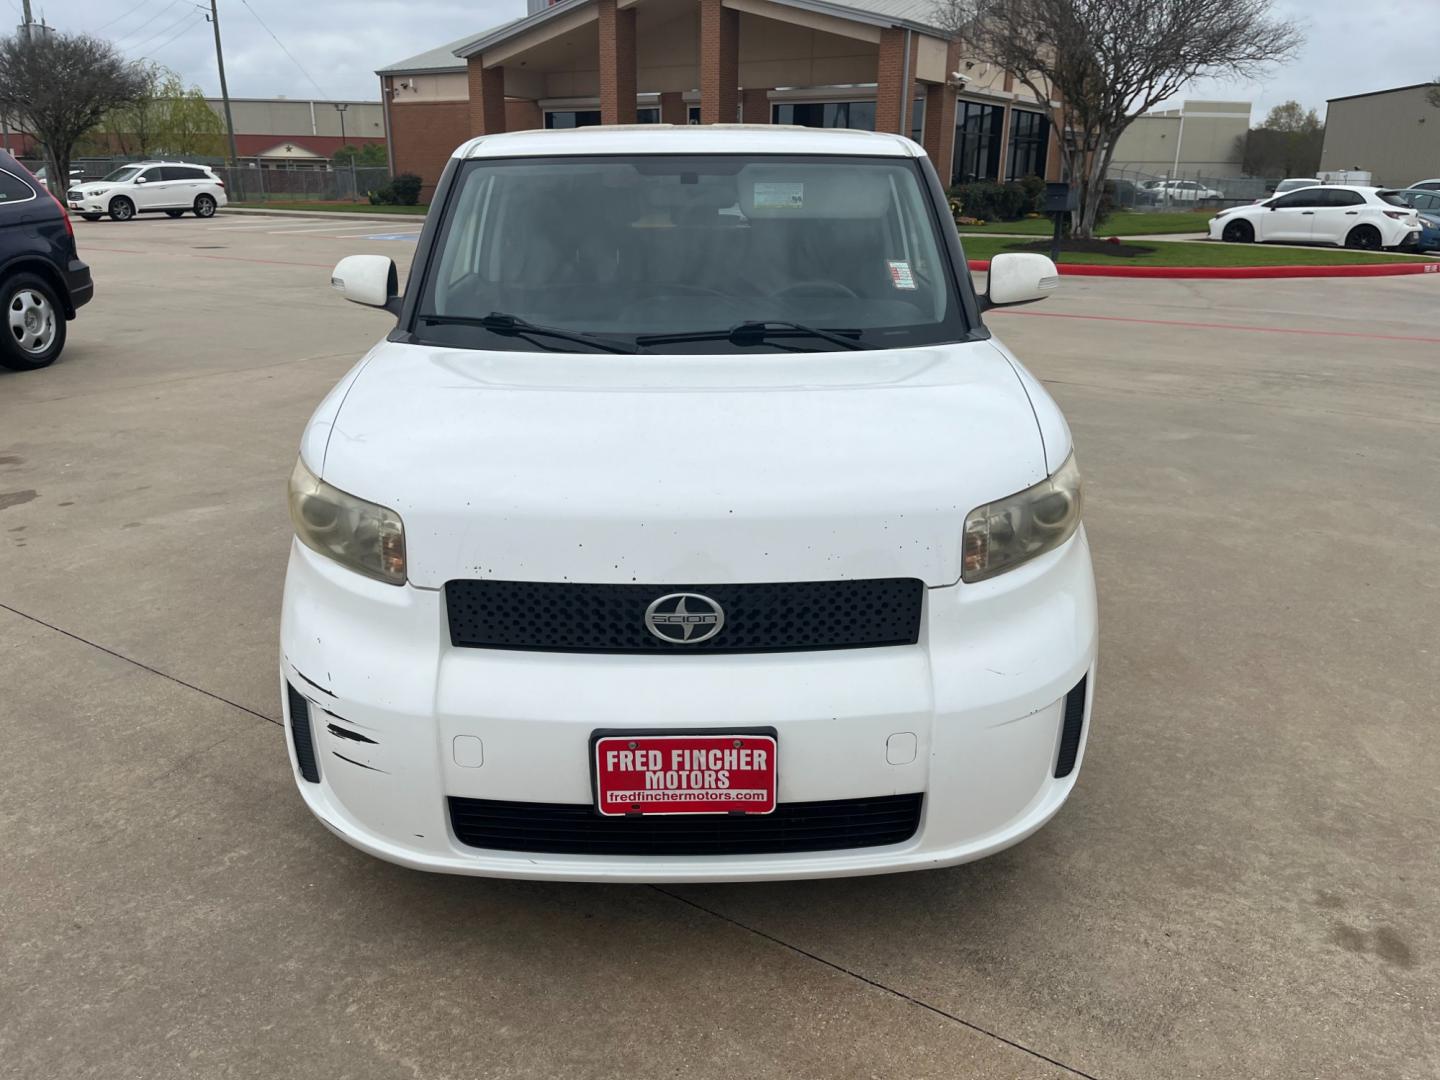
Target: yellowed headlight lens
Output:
[(366, 538)]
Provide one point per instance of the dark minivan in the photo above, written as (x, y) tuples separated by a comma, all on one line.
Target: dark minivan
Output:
[(42, 280)]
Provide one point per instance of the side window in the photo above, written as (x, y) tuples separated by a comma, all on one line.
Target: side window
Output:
[(1336, 197), (1426, 202), (13, 189), (152, 174), (1294, 199), (188, 172)]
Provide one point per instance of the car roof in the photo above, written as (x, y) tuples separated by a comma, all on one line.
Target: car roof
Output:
[(690, 139)]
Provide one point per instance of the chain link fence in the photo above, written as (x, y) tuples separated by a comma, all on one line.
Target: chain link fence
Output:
[(1132, 189), (252, 181)]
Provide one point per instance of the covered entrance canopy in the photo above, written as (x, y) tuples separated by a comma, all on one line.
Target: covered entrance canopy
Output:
[(874, 64)]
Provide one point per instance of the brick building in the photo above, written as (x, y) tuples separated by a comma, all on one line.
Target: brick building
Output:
[(816, 63)]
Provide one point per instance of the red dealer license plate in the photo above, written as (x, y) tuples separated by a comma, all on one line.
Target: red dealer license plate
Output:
[(684, 774)]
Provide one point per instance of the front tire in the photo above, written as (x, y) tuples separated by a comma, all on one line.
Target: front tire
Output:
[(121, 209), (34, 331), (204, 206), (1364, 237), (1238, 232)]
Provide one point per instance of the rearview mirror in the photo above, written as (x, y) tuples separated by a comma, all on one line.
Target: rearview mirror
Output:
[(1020, 278), (368, 279)]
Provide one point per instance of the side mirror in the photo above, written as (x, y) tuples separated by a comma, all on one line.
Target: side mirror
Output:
[(368, 279), (141, 180), (1019, 278)]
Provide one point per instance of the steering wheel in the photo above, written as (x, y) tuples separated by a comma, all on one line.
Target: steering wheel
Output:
[(818, 288)]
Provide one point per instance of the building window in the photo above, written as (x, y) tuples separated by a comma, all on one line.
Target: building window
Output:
[(573, 119), (977, 142), (1029, 143), (857, 115), (647, 115), (692, 114)]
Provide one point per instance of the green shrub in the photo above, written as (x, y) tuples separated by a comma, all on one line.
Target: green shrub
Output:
[(406, 187), (403, 190), (989, 201)]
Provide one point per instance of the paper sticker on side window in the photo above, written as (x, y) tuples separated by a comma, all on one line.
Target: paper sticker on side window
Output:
[(900, 275), (772, 195)]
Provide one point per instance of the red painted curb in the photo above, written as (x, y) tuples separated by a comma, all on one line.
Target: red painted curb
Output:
[(1357, 270)]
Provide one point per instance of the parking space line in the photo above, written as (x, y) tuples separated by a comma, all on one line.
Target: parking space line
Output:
[(317, 229), (221, 258)]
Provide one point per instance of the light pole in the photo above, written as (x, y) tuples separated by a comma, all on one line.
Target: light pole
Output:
[(225, 98), (340, 107)]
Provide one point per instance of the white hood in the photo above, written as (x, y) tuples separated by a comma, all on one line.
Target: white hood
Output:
[(537, 466)]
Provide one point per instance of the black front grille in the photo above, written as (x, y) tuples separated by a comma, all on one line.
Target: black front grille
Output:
[(1071, 727), (571, 829), (301, 736), (567, 617)]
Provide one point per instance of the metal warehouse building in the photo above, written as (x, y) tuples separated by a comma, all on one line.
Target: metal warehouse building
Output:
[(872, 64), (1393, 134)]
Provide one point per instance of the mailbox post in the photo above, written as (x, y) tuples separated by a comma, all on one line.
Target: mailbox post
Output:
[(1059, 201)]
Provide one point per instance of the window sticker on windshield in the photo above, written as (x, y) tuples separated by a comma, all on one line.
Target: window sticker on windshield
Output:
[(900, 275), (771, 195)]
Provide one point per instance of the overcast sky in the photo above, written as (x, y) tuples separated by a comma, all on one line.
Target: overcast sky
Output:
[(1351, 47)]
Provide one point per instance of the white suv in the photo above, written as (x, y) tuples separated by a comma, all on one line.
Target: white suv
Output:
[(145, 186), (690, 525), (1348, 216)]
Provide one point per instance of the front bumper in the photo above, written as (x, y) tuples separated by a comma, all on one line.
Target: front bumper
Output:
[(88, 204), (982, 693)]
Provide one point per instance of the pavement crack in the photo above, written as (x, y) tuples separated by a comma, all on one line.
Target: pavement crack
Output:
[(875, 984), (140, 664)]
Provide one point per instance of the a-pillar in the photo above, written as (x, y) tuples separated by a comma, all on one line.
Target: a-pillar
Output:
[(894, 84), (719, 63), (617, 63), (487, 97), (673, 109), (939, 132), (755, 106)]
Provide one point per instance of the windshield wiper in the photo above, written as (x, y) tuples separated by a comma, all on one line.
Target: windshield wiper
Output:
[(500, 323), (746, 333)]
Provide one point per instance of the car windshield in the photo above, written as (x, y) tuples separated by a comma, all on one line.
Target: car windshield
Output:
[(627, 248), (120, 175)]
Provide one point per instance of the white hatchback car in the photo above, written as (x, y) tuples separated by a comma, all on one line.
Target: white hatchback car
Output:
[(1355, 217), (690, 525), (172, 187)]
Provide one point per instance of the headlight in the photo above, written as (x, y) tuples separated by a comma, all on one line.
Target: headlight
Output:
[(368, 539), (999, 536)]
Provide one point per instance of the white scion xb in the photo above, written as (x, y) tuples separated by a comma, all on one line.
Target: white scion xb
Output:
[(690, 525)]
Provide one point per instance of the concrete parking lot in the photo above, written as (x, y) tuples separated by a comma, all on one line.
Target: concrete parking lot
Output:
[(1245, 883)]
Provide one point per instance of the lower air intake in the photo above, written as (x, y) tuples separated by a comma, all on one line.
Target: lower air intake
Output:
[(576, 829), (301, 736), (1071, 729)]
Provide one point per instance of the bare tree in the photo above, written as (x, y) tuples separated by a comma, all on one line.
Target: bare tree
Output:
[(59, 86), (1109, 61), (1432, 95)]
